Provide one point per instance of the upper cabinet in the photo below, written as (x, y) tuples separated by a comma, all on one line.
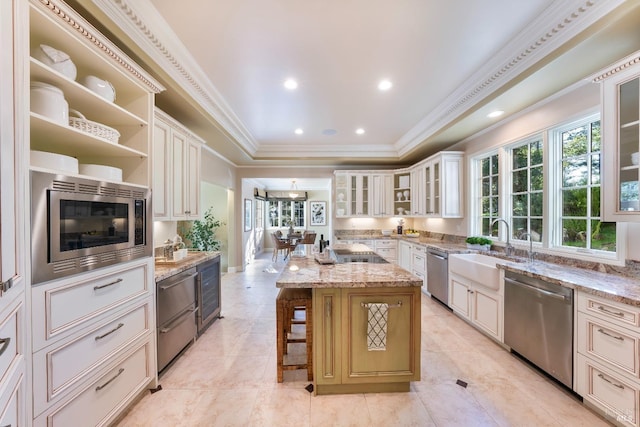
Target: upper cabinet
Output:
[(88, 99), (431, 188), (382, 196), (620, 195), (176, 170), (401, 192), (443, 185)]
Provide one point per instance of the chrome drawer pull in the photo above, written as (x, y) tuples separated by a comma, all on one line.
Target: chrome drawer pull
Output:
[(602, 331), (5, 345), (178, 320), (620, 386), (99, 337), (615, 313), (180, 281), (95, 288), (100, 387)]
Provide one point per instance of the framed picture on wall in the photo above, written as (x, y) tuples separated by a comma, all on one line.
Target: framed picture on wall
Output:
[(318, 213), (247, 215)]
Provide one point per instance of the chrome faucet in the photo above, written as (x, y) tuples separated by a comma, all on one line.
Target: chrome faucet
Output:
[(531, 253), (508, 249)]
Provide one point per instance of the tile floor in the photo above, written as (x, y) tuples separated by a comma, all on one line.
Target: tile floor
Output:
[(228, 377)]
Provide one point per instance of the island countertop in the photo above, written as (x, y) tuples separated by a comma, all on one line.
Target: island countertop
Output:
[(303, 271)]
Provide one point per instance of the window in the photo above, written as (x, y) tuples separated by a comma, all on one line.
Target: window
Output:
[(282, 211), (489, 198), (578, 149), (259, 214), (526, 191)]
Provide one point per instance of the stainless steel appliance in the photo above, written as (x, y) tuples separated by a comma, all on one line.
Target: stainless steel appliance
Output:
[(538, 324), (175, 315), (208, 293), (80, 224), (346, 255), (438, 275)]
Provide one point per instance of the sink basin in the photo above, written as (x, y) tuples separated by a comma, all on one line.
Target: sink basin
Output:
[(476, 267)]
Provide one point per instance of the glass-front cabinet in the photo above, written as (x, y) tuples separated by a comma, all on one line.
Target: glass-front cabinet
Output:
[(402, 193), (359, 197), (620, 199), (341, 194)]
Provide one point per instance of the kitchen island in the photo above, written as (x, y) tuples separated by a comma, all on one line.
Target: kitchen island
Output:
[(344, 361)]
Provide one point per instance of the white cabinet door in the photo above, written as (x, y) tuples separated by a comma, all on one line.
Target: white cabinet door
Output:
[(417, 191), (448, 187), (459, 297), (382, 187), (405, 255), (192, 179), (178, 182), (486, 308), (360, 194), (341, 194), (161, 166)]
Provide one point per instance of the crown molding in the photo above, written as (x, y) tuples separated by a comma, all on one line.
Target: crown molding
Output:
[(616, 68), (141, 21), (69, 18), (281, 151), (557, 25)]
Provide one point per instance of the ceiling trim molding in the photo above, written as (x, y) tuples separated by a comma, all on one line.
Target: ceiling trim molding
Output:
[(618, 67), (320, 150), (556, 26), (148, 29), (78, 24)]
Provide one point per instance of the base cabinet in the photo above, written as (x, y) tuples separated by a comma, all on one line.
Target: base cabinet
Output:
[(479, 305), (607, 373), (342, 361)]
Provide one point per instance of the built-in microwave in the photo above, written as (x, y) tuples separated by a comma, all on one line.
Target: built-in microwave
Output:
[(80, 224)]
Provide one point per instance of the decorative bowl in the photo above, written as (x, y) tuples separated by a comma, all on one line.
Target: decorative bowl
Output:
[(54, 161), (99, 86), (386, 232), (56, 59), (48, 100), (412, 234)]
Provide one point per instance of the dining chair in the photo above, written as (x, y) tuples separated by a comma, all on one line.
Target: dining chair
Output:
[(279, 245), (308, 237)]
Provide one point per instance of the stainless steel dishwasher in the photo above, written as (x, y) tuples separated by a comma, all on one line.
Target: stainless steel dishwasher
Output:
[(438, 274), (538, 324)]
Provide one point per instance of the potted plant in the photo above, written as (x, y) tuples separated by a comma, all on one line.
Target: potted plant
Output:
[(202, 233), (479, 243)]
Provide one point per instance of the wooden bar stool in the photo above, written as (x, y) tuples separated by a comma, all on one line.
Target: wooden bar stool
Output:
[(288, 301)]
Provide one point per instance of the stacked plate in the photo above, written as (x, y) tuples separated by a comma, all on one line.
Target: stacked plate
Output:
[(634, 158)]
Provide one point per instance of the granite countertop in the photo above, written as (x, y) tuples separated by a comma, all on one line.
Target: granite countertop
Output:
[(610, 286), (303, 271), (164, 270), (449, 247)]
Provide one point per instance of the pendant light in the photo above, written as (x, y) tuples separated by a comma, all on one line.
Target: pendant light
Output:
[(293, 193)]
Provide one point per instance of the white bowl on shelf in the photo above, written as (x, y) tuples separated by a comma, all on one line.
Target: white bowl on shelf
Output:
[(54, 161), (48, 100), (100, 171), (634, 158), (56, 59)]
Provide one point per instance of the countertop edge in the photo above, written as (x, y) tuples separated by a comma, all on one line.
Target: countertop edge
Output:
[(193, 258)]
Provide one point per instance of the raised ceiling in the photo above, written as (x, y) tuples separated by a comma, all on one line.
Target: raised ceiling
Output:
[(450, 63)]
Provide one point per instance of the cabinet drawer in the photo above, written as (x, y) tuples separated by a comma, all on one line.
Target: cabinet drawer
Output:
[(419, 249), (9, 333), (68, 363), (609, 343), (385, 244), (388, 253), (418, 262), (11, 414), (606, 390), (99, 403), (621, 314), (67, 306)]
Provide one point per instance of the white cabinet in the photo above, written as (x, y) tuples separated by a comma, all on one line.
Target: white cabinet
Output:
[(418, 199), (387, 249), (176, 170), (607, 371), (442, 185), (382, 196), (481, 306), (405, 255), (401, 193), (129, 115), (359, 194), (341, 182), (419, 263), (620, 200)]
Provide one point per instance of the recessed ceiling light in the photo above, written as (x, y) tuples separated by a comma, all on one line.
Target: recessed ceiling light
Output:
[(290, 84), (299, 131), (359, 131), (384, 84), (496, 113)]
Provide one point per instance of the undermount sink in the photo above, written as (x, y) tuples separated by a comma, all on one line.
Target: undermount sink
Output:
[(477, 267)]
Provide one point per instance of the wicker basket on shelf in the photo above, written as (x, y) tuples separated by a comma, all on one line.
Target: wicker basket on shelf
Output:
[(93, 128)]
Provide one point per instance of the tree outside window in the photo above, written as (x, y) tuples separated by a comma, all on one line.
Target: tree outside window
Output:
[(526, 191), (580, 190), (282, 212), (489, 197)]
